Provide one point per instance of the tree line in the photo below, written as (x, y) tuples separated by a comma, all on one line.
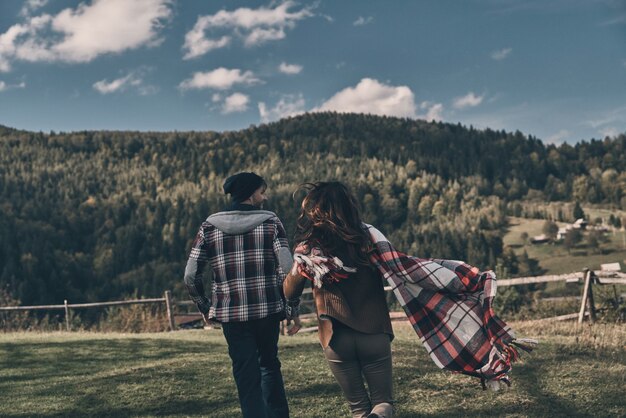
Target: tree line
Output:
[(98, 215)]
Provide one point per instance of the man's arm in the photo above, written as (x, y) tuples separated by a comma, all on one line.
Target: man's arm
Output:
[(193, 273), (285, 262), (293, 286), (281, 249)]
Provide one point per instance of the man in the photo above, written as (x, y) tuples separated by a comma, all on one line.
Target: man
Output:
[(247, 251)]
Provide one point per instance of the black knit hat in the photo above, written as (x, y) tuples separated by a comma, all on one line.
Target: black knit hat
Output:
[(242, 185)]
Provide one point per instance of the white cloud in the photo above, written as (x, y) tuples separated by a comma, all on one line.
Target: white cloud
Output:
[(261, 35), (289, 68), (32, 5), (501, 54), (10, 48), (558, 138), (134, 80), (469, 100), (220, 79), (617, 115), (434, 111), (288, 105), (198, 45), (374, 97), (147, 90), (4, 86), (120, 84), (216, 97), (236, 102), (85, 32), (362, 21), (610, 132), (253, 26)]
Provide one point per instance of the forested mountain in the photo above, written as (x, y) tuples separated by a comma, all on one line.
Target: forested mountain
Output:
[(88, 216)]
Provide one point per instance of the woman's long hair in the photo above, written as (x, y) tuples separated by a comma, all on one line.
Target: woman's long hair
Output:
[(330, 219)]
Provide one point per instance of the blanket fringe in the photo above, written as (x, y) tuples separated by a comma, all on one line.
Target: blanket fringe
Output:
[(494, 385), (526, 344)]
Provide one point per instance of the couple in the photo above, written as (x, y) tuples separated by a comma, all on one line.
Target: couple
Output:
[(248, 256), (448, 303)]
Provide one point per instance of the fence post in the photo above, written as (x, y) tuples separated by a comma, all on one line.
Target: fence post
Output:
[(587, 299), (590, 304), (170, 311), (67, 316)]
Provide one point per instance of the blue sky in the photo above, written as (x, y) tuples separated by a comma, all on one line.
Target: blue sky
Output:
[(555, 69)]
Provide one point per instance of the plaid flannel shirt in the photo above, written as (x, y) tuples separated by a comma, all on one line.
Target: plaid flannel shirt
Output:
[(246, 271)]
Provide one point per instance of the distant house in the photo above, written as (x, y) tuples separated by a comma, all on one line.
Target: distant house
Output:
[(580, 224), (611, 267), (560, 235), (540, 239), (601, 228)]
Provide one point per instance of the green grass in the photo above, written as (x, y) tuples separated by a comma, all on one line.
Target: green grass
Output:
[(576, 371), (593, 213), (554, 258)]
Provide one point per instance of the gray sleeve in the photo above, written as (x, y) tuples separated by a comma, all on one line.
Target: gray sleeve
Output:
[(196, 264), (285, 259), (281, 249), (195, 286)]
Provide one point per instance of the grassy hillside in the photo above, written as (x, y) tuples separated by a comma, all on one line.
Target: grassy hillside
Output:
[(102, 215), (577, 371), (554, 258)]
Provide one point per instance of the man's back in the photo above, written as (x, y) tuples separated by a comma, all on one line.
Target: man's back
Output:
[(246, 250), (243, 250)]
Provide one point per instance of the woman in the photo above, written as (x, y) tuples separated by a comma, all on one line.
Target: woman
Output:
[(354, 326)]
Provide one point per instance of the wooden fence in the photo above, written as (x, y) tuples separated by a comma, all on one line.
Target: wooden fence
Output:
[(587, 277), (587, 307), (167, 299)]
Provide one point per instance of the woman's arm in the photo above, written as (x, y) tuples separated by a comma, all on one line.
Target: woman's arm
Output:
[(293, 286)]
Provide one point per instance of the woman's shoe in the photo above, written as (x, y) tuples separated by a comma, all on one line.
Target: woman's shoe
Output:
[(382, 410)]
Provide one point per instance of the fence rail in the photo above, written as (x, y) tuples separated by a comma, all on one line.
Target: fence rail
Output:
[(167, 299), (604, 277), (81, 305), (588, 277)]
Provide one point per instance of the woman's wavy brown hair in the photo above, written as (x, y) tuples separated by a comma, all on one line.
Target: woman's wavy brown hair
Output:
[(330, 219)]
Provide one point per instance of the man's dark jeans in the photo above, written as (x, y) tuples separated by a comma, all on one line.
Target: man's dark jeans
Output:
[(253, 349)]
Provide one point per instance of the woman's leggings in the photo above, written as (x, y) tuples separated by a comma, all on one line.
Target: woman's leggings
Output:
[(353, 356)]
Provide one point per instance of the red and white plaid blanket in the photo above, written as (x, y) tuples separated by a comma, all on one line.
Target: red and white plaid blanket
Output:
[(449, 304)]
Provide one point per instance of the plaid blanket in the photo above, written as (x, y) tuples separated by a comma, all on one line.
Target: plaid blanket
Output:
[(449, 304)]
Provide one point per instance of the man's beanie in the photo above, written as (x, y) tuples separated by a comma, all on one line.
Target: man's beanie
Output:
[(242, 185)]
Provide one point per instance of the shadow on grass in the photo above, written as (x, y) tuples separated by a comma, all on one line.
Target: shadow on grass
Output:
[(174, 408), (112, 377), (142, 377), (169, 377), (554, 381), (36, 361)]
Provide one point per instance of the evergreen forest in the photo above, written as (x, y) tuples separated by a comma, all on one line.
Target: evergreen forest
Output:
[(103, 215)]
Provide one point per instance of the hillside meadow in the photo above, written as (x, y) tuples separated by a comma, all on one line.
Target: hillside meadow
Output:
[(554, 258), (578, 370)]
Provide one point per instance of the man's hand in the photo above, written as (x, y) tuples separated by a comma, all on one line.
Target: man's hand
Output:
[(209, 322), (293, 329)]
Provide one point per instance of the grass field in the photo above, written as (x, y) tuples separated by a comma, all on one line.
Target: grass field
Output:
[(554, 258), (576, 371)]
